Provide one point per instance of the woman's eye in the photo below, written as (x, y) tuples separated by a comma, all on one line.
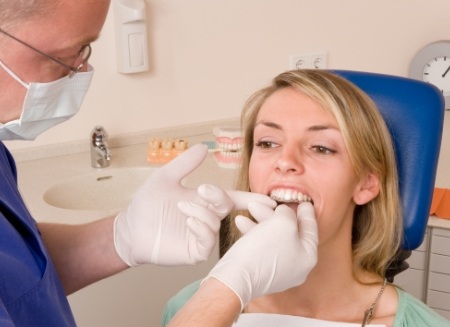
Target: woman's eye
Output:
[(322, 149), (265, 144)]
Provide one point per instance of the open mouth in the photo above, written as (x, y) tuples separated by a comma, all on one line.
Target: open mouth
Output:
[(289, 196)]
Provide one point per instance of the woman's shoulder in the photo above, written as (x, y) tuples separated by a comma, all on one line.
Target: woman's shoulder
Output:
[(413, 312), (178, 301)]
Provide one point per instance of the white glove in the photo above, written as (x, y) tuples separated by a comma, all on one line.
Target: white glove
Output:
[(154, 229), (276, 254)]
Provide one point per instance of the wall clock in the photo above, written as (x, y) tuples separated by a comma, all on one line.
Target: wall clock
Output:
[(432, 64)]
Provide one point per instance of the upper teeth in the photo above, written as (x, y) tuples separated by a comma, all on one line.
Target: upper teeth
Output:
[(229, 147), (289, 195)]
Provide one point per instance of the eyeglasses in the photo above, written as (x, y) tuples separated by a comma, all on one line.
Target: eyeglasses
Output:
[(82, 56)]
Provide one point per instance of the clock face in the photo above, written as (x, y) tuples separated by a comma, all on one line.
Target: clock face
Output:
[(432, 64), (437, 72)]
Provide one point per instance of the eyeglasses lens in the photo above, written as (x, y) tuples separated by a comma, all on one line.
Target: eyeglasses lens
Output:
[(83, 57)]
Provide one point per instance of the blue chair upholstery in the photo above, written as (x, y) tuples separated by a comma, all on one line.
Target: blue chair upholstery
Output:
[(414, 113)]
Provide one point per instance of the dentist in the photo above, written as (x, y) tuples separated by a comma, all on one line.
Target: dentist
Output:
[(44, 75)]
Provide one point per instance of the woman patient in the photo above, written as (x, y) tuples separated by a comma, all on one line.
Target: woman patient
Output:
[(313, 136)]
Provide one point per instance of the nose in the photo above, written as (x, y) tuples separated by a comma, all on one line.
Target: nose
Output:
[(290, 161)]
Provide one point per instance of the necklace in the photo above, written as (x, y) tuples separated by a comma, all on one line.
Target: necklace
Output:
[(368, 314)]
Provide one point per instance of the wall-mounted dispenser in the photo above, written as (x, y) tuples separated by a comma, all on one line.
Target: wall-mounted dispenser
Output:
[(130, 22)]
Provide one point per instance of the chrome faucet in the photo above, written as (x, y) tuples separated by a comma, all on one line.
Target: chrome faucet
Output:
[(100, 155)]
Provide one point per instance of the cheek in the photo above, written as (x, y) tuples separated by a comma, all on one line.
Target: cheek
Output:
[(255, 175)]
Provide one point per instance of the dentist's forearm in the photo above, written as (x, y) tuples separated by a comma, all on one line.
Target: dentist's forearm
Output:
[(214, 305), (82, 254)]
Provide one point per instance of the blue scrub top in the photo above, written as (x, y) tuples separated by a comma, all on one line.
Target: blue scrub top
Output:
[(31, 293)]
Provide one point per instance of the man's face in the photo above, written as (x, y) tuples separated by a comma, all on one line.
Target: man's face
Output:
[(60, 34)]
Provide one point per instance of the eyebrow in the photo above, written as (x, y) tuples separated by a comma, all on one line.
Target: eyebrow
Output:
[(80, 43), (91, 39), (268, 124), (313, 128)]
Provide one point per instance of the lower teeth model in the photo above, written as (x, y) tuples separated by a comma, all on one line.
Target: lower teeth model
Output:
[(289, 196)]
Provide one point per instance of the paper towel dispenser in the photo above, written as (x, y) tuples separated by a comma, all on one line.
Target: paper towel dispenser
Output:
[(130, 20)]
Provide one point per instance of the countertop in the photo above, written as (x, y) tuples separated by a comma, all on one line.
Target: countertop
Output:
[(437, 222)]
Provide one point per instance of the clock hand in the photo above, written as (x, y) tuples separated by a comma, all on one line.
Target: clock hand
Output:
[(443, 75)]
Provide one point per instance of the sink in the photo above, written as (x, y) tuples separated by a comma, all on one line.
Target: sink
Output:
[(100, 190)]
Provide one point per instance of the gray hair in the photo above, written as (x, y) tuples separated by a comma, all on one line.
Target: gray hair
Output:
[(16, 12)]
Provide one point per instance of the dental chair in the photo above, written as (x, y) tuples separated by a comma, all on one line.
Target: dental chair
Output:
[(414, 113)]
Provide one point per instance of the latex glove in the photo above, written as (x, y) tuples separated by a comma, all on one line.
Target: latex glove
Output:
[(276, 254), (154, 230)]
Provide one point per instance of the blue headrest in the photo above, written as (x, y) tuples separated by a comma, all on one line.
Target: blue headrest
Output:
[(414, 113)]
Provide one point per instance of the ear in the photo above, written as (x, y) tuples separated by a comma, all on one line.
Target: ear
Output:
[(367, 189)]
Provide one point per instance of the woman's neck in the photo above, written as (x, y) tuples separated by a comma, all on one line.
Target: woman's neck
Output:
[(331, 292)]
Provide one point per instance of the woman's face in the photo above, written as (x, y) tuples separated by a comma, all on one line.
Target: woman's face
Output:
[(299, 149)]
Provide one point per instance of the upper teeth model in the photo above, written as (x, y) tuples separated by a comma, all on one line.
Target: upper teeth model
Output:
[(289, 195)]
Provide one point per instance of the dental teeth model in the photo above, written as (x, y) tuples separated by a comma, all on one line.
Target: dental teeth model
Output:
[(162, 151), (289, 196), (228, 143)]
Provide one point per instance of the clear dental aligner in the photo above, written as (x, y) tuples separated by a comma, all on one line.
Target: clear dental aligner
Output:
[(162, 151), (289, 196)]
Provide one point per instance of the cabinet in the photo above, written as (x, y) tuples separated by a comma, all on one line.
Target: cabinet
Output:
[(438, 290), (414, 279), (428, 277)]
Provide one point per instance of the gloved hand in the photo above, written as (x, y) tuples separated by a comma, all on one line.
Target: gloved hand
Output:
[(276, 254), (157, 229)]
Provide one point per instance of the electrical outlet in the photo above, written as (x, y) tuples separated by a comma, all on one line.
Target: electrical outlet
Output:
[(311, 60), (319, 60), (300, 61)]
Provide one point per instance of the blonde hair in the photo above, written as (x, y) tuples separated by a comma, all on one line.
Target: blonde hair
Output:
[(377, 225)]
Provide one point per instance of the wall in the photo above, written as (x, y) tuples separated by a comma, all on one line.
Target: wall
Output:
[(208, 56)]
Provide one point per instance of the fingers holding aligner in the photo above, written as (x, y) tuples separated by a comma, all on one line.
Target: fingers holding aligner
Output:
[(308, 230)]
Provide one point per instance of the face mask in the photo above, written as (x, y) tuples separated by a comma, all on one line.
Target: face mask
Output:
[(46, 105)]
